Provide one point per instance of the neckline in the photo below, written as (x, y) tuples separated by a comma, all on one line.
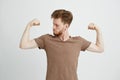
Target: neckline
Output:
[(65, 40)]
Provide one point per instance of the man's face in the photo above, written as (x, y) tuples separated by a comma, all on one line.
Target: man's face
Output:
[(58, 27)]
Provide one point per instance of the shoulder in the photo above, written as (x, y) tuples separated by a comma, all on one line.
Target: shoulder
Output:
[(46, 36), (49, 35), (77, 37)]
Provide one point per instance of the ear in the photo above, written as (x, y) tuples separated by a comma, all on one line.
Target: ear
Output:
[(66, 25)]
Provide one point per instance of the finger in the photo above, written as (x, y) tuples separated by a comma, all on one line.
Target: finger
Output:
[(90, 27), (36, 23)]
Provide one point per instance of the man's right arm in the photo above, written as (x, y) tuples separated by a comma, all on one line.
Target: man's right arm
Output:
[(25, 42)]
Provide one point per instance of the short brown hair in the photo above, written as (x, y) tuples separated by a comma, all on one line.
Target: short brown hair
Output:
[(66, 16)]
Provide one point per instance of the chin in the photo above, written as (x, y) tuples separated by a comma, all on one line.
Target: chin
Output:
[(56, 34)]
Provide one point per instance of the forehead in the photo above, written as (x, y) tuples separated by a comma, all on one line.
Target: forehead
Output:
[(57, 21)]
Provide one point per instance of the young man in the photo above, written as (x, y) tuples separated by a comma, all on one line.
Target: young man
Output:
[(62, 50)]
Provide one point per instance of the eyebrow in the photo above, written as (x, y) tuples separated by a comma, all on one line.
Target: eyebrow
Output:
[(56, 24)]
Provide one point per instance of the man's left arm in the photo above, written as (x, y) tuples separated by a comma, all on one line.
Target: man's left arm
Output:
[(99, 45)]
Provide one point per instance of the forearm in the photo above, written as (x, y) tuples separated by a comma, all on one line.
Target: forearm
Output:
[(25, 37), (99, 45), (99, 39)]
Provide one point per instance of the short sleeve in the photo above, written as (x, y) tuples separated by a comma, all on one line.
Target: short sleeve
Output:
[(40, 41), (84, 44)]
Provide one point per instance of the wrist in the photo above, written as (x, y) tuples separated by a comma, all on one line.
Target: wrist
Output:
[(29, 25), (97, 28)]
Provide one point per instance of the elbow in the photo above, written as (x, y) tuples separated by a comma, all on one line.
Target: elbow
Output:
[(21, 46), (101, 50)]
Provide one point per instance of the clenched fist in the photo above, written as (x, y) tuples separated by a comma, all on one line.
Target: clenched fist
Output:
[(34, 22), (92, 26)]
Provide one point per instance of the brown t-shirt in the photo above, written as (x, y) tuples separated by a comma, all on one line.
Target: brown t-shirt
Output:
[(62, 56)]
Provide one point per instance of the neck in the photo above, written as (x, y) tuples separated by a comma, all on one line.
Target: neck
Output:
[(64, 36)]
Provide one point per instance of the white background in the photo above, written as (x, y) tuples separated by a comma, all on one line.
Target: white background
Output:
[(18, 64)]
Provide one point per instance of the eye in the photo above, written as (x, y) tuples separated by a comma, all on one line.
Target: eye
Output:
[(56, 25)]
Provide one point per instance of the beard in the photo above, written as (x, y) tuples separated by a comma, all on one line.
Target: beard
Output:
[(58, 33)]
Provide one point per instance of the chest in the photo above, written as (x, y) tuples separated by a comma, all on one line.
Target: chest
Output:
[(65, 48)]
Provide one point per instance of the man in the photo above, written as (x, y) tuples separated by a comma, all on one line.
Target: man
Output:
[(62, 50)]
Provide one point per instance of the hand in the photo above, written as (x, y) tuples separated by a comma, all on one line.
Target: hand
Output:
[(92, 26), (34, 22)]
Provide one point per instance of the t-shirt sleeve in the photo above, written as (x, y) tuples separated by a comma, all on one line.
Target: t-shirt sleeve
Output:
[(84, 44), (40, 41)]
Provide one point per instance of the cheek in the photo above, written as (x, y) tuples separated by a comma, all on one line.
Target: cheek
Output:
[(57, 28), (61, 29)]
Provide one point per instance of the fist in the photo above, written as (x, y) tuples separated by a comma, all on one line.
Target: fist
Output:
[(34, 22), (92, 26)]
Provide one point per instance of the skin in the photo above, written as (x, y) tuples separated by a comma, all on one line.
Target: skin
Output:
[(61, 30), (99, 45), (25, 42)]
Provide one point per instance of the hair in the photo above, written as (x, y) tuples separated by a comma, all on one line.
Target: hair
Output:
[(64, 15)]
